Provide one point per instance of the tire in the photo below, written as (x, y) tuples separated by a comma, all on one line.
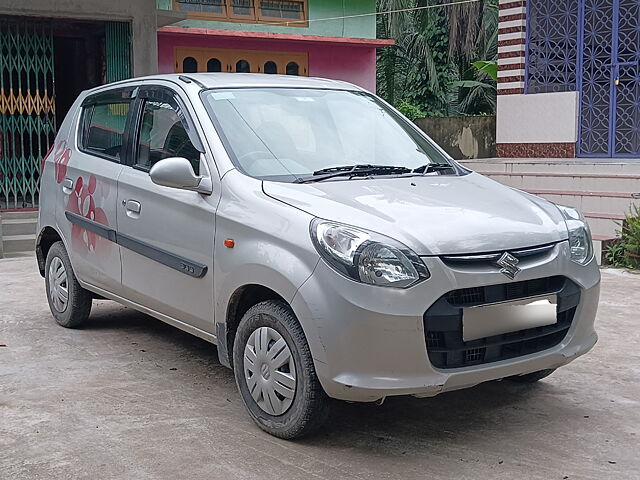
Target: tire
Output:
[(305, 407), (532, 377), (75, 311)]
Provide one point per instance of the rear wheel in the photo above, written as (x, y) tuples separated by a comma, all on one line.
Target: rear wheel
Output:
[(275, 373), (532, 377), (70, 304)]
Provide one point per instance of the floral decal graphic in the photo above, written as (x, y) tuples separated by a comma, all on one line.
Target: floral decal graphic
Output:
[(61, 159), (82, 201)]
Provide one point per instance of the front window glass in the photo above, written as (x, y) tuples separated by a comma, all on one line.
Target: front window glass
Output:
[(288, 134), (162, 135)]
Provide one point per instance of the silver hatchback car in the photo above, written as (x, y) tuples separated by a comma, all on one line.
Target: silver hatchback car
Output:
[(326, 245)]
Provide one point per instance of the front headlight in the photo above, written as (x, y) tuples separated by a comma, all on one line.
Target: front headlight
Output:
[(580, 240), (367, 257)]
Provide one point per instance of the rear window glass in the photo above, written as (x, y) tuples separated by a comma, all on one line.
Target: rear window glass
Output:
[(103, 128)]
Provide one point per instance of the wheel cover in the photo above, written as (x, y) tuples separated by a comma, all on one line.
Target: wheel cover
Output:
[(58, 285), (270, 371)]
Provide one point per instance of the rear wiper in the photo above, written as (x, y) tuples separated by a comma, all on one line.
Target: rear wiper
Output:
[(433, 167), (353, 171)]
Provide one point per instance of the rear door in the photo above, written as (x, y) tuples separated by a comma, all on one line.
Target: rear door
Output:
[(87, 167), (167, 234)]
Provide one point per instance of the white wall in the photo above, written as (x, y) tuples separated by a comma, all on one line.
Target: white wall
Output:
[(537, 118)]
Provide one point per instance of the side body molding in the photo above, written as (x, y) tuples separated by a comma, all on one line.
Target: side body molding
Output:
[(171, 260)]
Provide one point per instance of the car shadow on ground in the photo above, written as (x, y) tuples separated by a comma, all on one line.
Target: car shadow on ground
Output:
[(498, 408), (114, 317)]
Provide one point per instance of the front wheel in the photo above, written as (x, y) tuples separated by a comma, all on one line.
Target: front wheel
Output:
[(70, 304), (275, 373)]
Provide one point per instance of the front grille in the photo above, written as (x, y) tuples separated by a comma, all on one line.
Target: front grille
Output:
[(443, 323), (490, 259), (474, 355), (468, 297)]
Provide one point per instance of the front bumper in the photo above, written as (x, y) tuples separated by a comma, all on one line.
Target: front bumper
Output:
[(369, 342)]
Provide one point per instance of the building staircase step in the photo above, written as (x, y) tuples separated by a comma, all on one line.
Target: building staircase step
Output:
[(606, 225), (19, 226), (26, 253), (18, 214), (603, 197), (17, 231), (555, 166), (582, 182), (18, 243), (603, 189), (614, 203)]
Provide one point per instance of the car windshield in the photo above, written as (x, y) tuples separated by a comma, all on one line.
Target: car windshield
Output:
[(288, 134)]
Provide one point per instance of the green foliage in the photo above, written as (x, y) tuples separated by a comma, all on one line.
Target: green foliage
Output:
[(426, 85), (474, 90), (410, 111), (615, 255), (431, 66), (488, 67), (416, 69), (625, 253)]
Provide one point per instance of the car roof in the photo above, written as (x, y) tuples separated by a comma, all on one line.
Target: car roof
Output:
[(239, 80)]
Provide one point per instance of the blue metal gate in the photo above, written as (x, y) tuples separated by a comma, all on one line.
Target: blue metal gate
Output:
[(610, 79)]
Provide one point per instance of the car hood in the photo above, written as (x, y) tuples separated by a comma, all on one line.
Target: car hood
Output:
[(433, 214)]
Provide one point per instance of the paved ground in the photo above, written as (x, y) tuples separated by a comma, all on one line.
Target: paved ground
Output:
[(128, 397)]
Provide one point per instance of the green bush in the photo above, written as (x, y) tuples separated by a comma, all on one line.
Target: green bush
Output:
[(615, 254), (410, 111), (625, 253)]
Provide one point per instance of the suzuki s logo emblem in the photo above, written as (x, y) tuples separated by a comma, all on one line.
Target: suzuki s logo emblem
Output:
[(509, 265)]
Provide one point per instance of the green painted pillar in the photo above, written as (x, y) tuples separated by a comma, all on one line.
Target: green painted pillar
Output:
[(118, 51)]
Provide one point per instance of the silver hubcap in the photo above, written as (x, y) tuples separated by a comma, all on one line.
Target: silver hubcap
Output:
[(269, 371), (58, 286)]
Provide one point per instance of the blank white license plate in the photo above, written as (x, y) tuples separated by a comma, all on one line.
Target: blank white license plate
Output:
[(499, 318)]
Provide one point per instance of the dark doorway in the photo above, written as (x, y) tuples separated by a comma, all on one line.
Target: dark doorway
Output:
[(79, 61)]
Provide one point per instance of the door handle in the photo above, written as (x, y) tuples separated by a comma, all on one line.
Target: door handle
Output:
[(67, 185), (132, 206)]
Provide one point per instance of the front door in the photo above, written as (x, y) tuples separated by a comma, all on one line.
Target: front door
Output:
[(610, 101), (166, 234)]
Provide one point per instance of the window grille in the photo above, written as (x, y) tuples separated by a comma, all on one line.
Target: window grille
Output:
[(247, 10), (552, 46)]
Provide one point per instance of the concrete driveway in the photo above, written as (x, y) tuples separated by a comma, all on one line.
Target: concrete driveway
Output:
[(128, 397)]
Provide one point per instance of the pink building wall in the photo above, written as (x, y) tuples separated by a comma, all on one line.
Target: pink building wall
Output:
[(355, 64)]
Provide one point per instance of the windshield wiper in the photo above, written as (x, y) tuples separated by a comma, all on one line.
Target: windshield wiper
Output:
[(433, 167), (353, 171)]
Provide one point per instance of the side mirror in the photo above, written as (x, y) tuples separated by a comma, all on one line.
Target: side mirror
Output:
[(176, 172)]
